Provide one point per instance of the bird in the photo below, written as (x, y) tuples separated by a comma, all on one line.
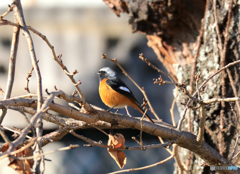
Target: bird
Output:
[(114, 92)]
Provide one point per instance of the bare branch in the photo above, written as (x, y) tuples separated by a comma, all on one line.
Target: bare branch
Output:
[(54, 136), (141, 56), (4, 136), (214, 100), (202, 124), (181, 165), (234, 149), (20, 18), (12, 62), (33, 121), (71, 146), (4, 155), (145, 167), (15, 131), (183, 139), (223, 82), (198, 48), (172, 108), (216, 25), (10, 8), (234, 89)]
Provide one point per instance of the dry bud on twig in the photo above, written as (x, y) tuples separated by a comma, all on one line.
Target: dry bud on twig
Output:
[(144, 105), (159, 81)]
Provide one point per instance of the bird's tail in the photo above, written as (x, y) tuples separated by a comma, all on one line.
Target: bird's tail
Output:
[(138, 108)]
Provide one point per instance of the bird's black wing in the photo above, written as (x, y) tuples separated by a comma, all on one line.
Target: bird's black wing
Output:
[(119, 86)]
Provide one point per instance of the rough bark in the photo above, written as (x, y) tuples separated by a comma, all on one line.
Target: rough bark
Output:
[(172, 29)]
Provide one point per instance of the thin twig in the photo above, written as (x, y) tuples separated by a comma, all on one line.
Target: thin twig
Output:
[(235, 156), (54, 136), (182, 166), (27, 96), (27, 78), (214, 74), (146, 167), (145, 147), (141, 56), (10, 8), (6, 22), (71, 146), (234, 149), (199, 41), (172, 108), (20, 18), (99, 144), (135, 139), (15, 131), (21, 21), (216, 25), (4, 155), (234, 89), (98, 129), (200, 87), (202, 124), (234, 112), (33, 121), (223, 82), (141, 120), (189, 129), (85, 105), (214, 100), (70, 98), (91, 142), (183, 115), (4, 136), (12, 63)]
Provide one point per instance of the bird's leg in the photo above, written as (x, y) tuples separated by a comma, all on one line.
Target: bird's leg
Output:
[(111, 108), (117, 110), (127, 111)]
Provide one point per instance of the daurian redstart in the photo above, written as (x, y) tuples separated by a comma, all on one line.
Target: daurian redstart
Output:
[(115, 93)]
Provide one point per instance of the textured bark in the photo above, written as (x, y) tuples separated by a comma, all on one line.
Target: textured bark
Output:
[(172, 29)]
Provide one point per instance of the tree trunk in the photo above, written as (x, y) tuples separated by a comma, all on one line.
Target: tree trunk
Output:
[(174, 32)]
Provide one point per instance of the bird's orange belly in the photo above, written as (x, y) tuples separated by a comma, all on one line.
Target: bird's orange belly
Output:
[(111, 98)]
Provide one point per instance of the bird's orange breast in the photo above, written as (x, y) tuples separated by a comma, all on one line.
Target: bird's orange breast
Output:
[(112, 98)]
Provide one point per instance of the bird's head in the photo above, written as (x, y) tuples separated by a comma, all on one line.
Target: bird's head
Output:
[(106, 72)]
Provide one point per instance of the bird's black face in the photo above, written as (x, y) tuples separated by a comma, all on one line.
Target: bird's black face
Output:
[(102, 74), (106, 72)]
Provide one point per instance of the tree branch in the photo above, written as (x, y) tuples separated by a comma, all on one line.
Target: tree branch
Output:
[(183, 139)]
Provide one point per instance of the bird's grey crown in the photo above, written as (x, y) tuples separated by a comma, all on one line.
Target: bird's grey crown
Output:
[(107, 72)]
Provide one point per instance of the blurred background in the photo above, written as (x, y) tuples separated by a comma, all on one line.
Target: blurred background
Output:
[(81, 31)]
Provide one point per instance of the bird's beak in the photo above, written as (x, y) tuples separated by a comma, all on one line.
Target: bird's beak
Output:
[(97, 73)]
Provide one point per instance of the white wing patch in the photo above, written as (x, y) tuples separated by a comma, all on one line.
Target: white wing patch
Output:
[(124, 89)]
